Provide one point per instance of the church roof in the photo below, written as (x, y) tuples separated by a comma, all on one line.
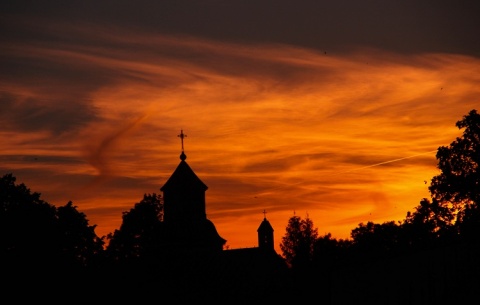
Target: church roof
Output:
[(183, 176), (265, 225), (197, 234)]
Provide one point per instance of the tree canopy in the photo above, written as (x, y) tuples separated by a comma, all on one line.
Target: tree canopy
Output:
[(459, 180), (137, 236), (298, 242), (452, 215), (457, 187), (35, 234)]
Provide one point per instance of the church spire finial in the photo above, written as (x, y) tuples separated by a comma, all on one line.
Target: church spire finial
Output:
[(264, 214), (182, 136)]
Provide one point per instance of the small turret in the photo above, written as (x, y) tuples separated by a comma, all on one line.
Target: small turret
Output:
[(265, 234)]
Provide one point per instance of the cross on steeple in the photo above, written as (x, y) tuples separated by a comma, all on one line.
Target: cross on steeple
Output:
[(181, 136), (264, 214)]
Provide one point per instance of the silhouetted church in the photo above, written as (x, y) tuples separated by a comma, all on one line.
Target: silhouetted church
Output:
[(185, 215), (184, 210)]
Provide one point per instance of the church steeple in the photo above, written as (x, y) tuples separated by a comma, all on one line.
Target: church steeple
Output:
[(184, 192), (184, 207)]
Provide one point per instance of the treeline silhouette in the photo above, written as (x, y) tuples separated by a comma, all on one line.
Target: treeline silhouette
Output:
[(431, 257)]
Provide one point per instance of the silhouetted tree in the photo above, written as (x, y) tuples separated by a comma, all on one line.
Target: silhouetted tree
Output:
[(139, 232), (36, 236), (298, 242), (458, 185), (330, 253), (79, 243), (27, 226), (469, 224), (291, 239), (427, 225), (372, 241)]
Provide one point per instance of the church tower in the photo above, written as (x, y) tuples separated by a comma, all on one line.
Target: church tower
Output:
[(265, 234), (185, 211), (184, 193)]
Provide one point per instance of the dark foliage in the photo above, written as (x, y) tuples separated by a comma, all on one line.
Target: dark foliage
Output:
[(457, 187), (436, 244), (298, 242), (36, 237), (459, 181), (138, 232)]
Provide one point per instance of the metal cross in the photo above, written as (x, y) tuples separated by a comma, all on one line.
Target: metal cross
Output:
[(181, 136)]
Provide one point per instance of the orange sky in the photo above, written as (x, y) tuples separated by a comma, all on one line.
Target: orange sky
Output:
[(344, 137)]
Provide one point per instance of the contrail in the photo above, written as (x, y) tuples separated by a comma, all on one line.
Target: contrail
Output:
[(385, 162), (268, 190)]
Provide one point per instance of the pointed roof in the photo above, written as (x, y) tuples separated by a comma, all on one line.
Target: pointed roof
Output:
[(265, 225), (183, 176)]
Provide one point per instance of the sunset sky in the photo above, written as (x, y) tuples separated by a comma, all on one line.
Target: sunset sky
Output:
[(328, 109)]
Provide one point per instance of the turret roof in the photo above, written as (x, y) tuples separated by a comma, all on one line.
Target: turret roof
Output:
[(183, 176)]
